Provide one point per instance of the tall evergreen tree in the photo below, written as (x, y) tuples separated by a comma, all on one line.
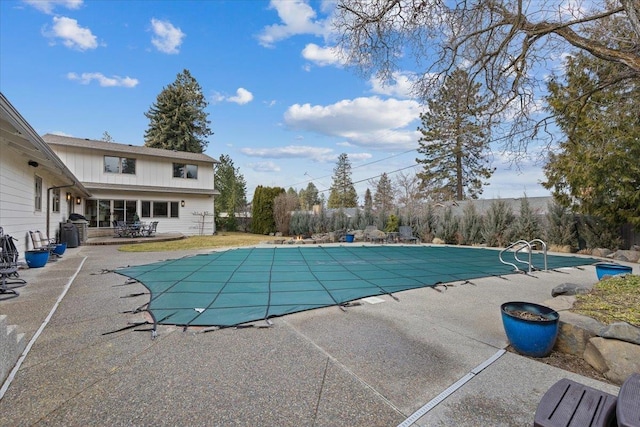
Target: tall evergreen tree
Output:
[(233, 192), (263, 221), (178, 120), (454, 141), (384, 196), (596, 170), (343, 193), (309, 197)]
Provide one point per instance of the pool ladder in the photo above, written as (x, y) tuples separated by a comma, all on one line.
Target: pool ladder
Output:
[(521, 246)]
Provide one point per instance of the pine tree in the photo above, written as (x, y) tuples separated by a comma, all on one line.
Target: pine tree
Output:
[(454, 141), (343, 193), (309, 197), (233, 192), (177, 120), (383, 198)]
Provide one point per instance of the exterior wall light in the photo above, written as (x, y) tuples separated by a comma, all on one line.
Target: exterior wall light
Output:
[(182, 203), (78, 200), (68, 197)]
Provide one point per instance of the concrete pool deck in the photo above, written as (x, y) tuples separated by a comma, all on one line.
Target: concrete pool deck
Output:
[(373, 364)]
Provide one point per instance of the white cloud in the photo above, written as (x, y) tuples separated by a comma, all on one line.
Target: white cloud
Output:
[(318, 154), (47, 6), (104, 81), (297, 17), (242, 97), (368, 122), (167, 38), (73, 36), (401, 86), (321, 56), (264, 167)]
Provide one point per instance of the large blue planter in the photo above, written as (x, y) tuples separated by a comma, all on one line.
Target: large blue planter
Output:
[(530, 337), (60, 248), (609, 269), (349, 238), (36, 259)]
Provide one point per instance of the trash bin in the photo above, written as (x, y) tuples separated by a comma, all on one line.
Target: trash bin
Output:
[(69, 235)]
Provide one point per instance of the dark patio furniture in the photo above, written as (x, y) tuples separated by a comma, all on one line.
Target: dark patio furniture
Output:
[(568, 403), (9, 276), (149, 230), (406, 234)]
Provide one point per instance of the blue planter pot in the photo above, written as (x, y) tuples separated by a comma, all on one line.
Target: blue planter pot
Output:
[(530, 337), (609, 269), (36, 259), (349, 238), (60, 248)]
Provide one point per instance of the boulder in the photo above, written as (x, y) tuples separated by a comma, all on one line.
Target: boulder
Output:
[(601, 252), (621, 331), (615, 359), (561, 302), (569, 289), (628, 255), (437, 241), (575, 332)]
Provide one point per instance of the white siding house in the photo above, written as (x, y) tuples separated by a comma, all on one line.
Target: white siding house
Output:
[(37, 191), (175, 188)]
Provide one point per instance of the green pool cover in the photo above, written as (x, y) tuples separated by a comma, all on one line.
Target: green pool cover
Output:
[(242, 285)]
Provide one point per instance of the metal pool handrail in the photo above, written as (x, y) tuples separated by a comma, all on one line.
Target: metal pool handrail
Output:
[(524, 244)]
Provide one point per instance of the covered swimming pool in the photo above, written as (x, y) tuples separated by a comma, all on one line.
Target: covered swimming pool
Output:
[(233, 287)]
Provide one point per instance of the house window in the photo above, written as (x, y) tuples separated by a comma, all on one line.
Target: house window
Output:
[(182, 170), (159, 209), (119, 165), (55, 200), (38, 194)]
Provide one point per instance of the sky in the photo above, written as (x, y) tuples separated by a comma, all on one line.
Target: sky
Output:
[(281, 104)]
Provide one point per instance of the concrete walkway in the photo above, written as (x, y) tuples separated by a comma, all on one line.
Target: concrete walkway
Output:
[(370, 365)]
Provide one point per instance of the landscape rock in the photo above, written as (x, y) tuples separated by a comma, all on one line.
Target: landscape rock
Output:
[(621, 331), (437, 241), (615, 359), (561, 302), (629, 255), (575, 332), (601, 252), (619, 257), (569, 289)]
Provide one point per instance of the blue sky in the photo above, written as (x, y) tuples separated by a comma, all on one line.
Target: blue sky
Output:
[(280, 102)]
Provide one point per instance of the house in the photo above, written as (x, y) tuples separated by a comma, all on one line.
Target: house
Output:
[(37, 190), (175, 188)]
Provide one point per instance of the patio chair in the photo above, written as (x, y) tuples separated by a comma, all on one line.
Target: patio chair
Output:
[(119, 228), (150, 230), (40, 242), (9, 276), (406, 234)]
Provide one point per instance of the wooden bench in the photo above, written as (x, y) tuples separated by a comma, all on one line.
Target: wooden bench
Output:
[(570, 404)]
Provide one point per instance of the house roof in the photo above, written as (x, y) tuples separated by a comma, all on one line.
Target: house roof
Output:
[(19, 135), (114, 147), (149, 188)]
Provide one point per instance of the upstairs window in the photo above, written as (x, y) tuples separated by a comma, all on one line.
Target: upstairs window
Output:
[(182, 170), (119, 165)]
